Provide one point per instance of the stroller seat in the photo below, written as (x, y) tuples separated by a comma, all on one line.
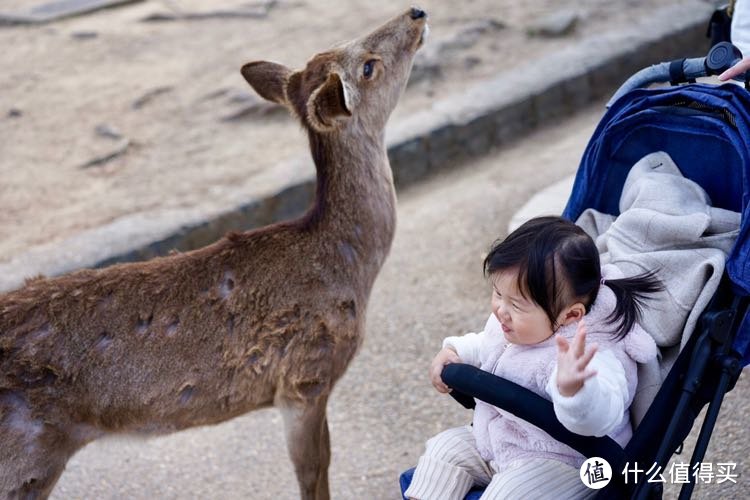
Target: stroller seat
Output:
[(703, 130)]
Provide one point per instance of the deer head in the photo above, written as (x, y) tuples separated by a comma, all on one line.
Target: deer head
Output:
[(358, 83)]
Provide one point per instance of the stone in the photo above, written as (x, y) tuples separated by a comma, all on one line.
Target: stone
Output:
[(108, 131), (149, 96), (429, 62), (556, 24), (246, 105), (59, 9), (470, 34), (119, 150), (84, 35), (256, 10)]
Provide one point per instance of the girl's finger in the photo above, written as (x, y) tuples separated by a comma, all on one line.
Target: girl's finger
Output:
[(562, 344), (581, 326), (584, 360), (579, 341), (583, 376), (588, 374)]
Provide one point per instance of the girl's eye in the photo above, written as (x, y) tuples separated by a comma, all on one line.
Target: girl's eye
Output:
[(368, 68)]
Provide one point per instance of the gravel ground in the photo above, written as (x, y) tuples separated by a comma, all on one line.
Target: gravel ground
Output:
[(157, 97)]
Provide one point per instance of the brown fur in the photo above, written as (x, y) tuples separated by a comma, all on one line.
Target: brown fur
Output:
[(271, 316)]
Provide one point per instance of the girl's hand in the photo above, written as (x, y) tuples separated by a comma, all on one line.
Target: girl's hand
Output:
[(444, 357), (572, 360)]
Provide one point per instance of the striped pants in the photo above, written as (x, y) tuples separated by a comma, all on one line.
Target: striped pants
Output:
[(451, 466)]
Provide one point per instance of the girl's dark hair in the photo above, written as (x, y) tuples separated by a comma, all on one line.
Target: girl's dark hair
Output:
[(558, 264)]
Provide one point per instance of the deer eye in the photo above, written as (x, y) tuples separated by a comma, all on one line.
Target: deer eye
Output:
[(368, 68)]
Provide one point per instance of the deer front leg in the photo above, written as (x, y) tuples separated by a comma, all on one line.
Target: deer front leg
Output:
[(309, 445), (33, 452), (31, 465)]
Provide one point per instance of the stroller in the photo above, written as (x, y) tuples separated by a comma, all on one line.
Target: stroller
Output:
[(688, 122)]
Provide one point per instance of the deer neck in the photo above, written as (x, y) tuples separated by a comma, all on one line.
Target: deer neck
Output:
[(355, 197)]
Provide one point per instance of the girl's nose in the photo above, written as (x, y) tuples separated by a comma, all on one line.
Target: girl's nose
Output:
[(502, 312)]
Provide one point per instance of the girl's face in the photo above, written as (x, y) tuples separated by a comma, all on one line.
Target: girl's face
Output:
[(522, 320)]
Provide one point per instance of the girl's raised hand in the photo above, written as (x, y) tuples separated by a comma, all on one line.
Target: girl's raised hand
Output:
[(572, 361)]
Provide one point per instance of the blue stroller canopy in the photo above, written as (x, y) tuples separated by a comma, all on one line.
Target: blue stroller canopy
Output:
[(706, 131)]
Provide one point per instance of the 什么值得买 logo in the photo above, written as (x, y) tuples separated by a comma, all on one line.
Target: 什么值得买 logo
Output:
[(596, 473)]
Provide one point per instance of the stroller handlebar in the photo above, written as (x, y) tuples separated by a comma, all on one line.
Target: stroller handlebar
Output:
[(721, 57)]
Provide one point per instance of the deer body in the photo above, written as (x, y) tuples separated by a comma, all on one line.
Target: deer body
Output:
[(270, 316)]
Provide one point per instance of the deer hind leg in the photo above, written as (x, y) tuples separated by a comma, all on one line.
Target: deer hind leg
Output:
[(309, 445), (34, 453)]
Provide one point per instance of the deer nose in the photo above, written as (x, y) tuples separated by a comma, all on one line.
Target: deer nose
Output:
[(417, 13)]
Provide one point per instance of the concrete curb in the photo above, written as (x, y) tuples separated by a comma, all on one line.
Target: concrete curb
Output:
[(454, 130)]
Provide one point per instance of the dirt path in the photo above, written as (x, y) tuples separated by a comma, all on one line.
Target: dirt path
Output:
[(109, 114)]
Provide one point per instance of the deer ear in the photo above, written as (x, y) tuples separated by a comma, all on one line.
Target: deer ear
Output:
[(328, 103), (268, 79)]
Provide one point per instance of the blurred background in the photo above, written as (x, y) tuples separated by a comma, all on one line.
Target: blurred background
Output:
[(123, 122), (140, 108)]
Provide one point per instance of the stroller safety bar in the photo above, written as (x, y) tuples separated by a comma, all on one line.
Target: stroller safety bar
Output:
[(721, 57), (527, 405)]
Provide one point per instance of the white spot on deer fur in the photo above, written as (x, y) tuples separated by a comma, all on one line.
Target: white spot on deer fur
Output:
[(172, 328), (18, 418), (105, 302), (40, 334), (186, 394), (32, 341), (143, 325), (347, 252), (227, 284), (105, 340)]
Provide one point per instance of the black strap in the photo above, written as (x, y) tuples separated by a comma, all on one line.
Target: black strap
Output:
[(676, 72)]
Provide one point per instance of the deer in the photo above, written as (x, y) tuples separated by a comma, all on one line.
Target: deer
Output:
[(265, 317)]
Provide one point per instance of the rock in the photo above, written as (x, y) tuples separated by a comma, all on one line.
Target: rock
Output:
[(14, 113), (426, 67), (214, 94), (472, 61), (470, 34), (108, 131), (148, 96), (237, 96), (84, 35), (245, 105), (256, 10), (429, 62), (556, 24), (59, 9), (119, 150)]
